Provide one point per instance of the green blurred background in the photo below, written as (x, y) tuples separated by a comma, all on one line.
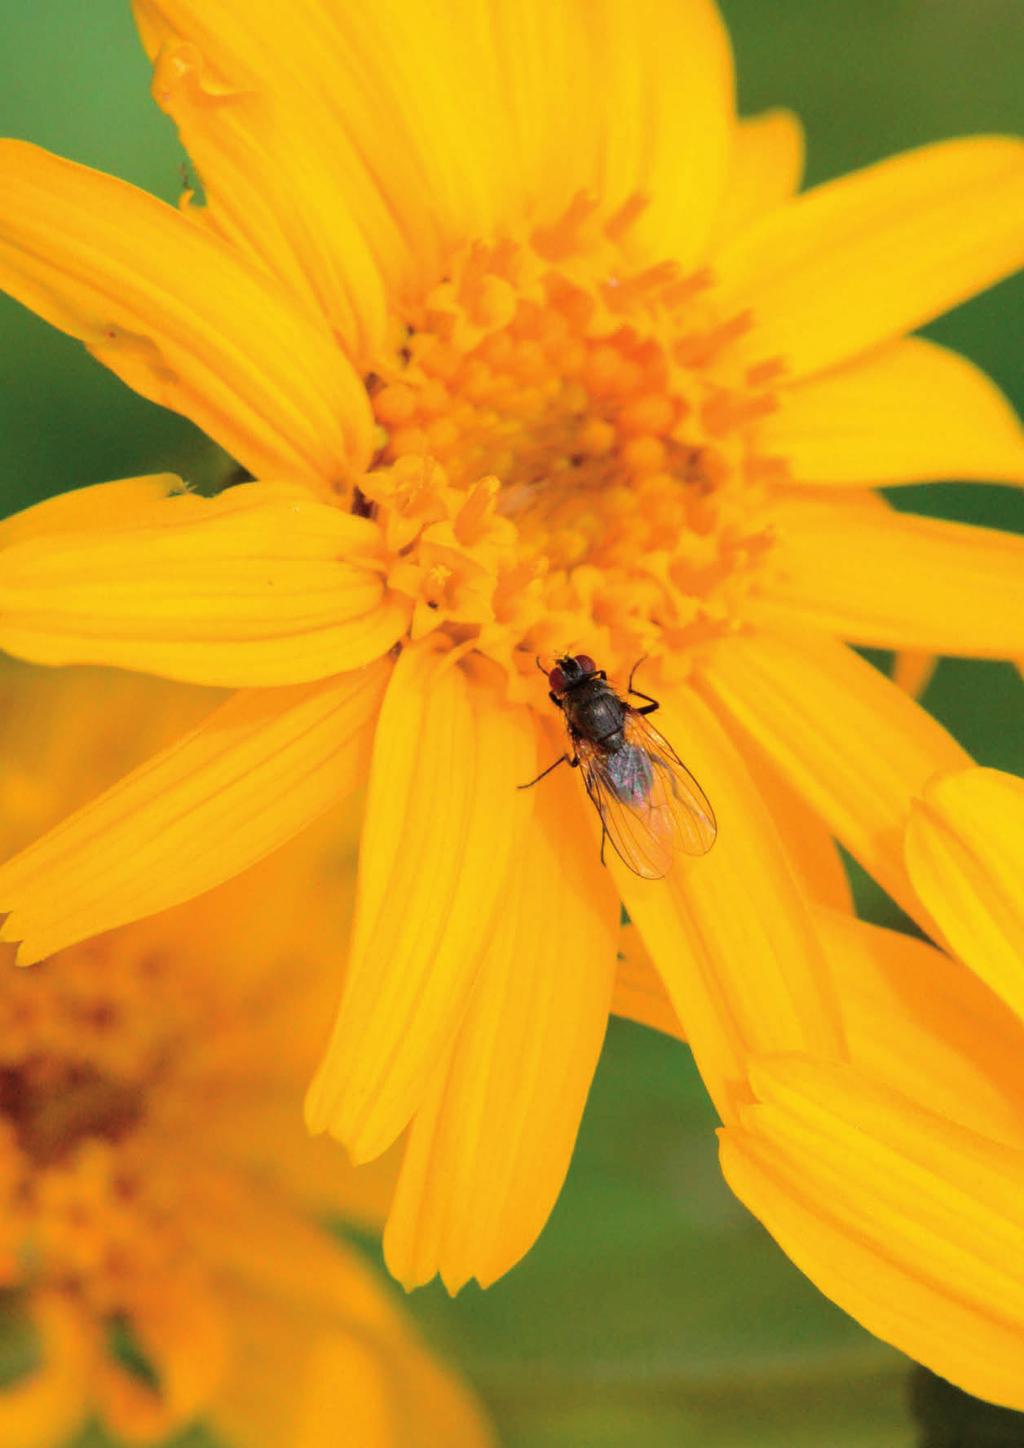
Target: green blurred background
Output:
[(654, 1311)]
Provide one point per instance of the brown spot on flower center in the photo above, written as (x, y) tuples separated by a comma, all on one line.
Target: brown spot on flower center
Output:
[(53, 1106)]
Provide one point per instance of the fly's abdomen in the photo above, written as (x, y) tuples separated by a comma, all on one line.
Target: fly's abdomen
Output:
[(628, 771)]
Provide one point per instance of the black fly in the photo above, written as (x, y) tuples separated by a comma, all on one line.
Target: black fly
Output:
[(649, 803)]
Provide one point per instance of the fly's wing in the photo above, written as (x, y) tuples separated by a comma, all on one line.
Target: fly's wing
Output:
[(650, 804)]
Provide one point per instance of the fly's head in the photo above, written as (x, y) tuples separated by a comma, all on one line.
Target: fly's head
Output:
[(569, 672)]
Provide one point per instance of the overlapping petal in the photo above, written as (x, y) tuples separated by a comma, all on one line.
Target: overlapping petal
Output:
[(766, 170), (663, 77), (180, 317), (254, 774), (638, 992), (730, 932), (965, 854), (918, 1022), (444, 819), (847, 739), (490, 1146), (811, 848), (907, 1220), (261, 585), (909, 412), (852, 567), (863, 259)]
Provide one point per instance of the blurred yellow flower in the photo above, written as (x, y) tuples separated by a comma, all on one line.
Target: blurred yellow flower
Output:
[(158, 1196), (534, 348)]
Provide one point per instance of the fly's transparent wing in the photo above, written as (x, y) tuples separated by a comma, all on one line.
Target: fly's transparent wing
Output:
[(651, 806)]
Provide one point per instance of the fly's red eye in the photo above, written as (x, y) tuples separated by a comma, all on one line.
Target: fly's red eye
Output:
[(586, 664), (557, 681)]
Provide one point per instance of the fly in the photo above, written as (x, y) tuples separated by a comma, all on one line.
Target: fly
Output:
[(649, 804)]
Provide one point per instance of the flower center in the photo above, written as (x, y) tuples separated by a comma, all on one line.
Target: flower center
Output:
[(87, 1037), (568, 451)]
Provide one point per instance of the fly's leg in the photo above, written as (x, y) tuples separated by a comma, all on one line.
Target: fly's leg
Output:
[(572, 761), (604, 836), (652, 704), (632, 675)]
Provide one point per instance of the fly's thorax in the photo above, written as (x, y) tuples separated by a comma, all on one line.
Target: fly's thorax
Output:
[(595, 712)]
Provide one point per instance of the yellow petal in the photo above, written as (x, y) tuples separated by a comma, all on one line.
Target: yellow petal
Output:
[(847, 739), (489, 1149), (183, 1333), (908, 1222), (444, 819), (766, 170), (305, 95), (909, 412), (46, 1407), (320, 1380), (180, 317), (913, 670), (256, 772), (261, 585), (892, 580), (318, 224), (478, 136), (965, 854), (812, 850), (863, 259), (258, 1243), (920, 1023), (730, 932), (352, 1392), (639, 993), (93, 509), (664, 76)]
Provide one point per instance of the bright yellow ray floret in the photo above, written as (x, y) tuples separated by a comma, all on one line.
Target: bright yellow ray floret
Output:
[(588, 378)]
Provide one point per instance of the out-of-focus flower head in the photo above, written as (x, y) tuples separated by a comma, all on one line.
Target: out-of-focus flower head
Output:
[(159, 1199)]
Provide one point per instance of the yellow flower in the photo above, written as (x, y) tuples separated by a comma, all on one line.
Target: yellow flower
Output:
[(534, 349), (158, 1196)]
